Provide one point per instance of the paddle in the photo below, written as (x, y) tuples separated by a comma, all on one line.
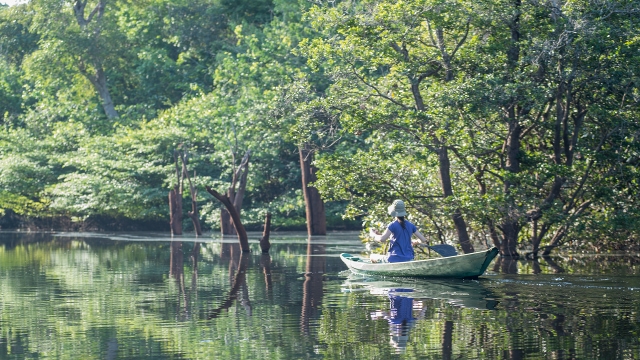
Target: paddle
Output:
[(442, 249)]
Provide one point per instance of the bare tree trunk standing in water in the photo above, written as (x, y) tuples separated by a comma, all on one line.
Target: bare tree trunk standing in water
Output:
[(175, 201), (314, 206), (193, 214), (232, 201), (265, 245), (235, 217), (175, 197), (240, 178), (175, 210)]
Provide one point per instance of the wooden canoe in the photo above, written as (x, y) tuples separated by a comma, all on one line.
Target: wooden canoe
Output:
[(460, 266)]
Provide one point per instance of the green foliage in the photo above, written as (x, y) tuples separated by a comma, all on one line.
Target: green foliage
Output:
[(383, 92), (10, 101), (413, 77)]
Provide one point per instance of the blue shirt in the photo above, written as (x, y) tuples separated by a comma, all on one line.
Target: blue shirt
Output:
[(401, 309), (401, 248)]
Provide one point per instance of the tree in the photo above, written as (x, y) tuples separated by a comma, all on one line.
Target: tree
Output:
[(386, 56), (85, 36), (508, 102)]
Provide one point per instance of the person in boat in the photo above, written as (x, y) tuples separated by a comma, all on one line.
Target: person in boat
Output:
[(401, 232)]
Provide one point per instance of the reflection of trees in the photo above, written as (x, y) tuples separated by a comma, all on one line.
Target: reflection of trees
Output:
[(176, 262), (104, 299), (232, 252), (176, 271), (194, 264), (265, 262), (447, 340), (312, 287), (228, 249), (507, 265), (239, 281), (552, 264)]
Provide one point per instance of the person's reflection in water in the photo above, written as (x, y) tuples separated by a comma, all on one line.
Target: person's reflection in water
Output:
[(400, 317)]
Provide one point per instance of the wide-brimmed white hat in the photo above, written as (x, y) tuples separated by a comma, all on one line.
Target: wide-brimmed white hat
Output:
[(397, 208)]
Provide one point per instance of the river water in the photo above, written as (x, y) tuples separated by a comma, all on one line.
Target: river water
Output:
[(146, 296)]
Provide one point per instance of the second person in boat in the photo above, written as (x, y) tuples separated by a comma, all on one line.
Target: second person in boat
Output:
[(400, 231)]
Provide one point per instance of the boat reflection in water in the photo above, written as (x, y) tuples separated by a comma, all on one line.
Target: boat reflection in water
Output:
[(400, 316), (410, 300)]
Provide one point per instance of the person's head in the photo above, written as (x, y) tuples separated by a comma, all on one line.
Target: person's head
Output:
[(397, 210)]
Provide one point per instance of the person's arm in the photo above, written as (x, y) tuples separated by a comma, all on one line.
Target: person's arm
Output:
[(378, 237), (421, 237)]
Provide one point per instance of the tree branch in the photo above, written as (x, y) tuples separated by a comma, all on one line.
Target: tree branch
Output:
[(235, 216)]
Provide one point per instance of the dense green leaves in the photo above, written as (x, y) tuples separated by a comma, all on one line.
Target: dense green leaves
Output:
[(516, 120), (532, 103)]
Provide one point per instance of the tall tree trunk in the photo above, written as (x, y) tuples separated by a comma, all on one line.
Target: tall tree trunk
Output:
[(447, 189), (511, 224), (443, 157), (510, 229), (97, 76), (194, 215), (314, 206), (100, 83), (493, 233)]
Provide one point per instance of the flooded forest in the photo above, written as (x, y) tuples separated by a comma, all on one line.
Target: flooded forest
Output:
[(180, 179)]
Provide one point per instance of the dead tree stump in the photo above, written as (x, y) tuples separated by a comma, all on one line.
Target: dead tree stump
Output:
[(265, 245)]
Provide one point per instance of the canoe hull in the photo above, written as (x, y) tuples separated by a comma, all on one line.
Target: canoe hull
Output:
[(460, 266)]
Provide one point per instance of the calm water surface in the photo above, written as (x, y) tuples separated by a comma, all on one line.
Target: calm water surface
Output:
[(143, 296)]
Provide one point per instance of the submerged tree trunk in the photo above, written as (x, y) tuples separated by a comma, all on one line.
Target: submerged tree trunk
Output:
[(314, 206), (175, 211), (226, 225), (193, 214), (235, 217), (447, 340), (240, 178), (511, 149), (265, 245), (511, 224), (447, 189), (265, 262)]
